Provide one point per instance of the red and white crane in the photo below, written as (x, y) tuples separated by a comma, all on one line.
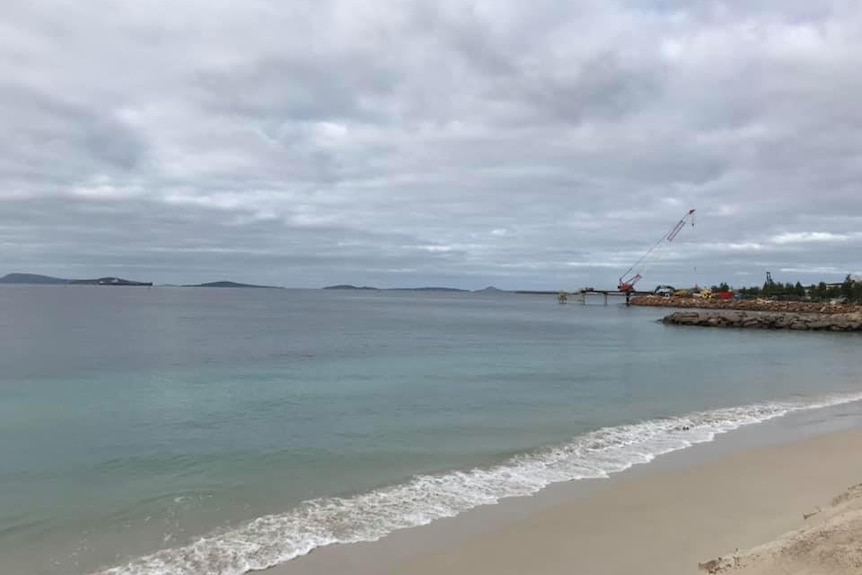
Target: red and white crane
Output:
[(633, 275)]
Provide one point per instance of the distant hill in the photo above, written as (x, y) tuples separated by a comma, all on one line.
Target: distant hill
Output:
[(228, 284), (433, 288), (36, 279), (350, 287), (32, 279), (108, 281), (490, 289)]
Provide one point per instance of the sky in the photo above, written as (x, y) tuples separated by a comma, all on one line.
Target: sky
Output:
[(527, 145)]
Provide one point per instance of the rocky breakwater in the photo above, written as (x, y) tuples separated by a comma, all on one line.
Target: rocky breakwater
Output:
[(746, 305), (768, 320)]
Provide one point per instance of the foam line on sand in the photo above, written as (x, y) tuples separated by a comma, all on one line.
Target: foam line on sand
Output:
[(663, 523)]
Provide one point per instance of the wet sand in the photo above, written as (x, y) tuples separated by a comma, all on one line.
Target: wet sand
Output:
[(674, 521)]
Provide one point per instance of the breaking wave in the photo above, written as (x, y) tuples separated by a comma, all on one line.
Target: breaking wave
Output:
[(274, 539)]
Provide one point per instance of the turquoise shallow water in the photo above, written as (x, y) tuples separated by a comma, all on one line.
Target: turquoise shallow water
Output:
[(175, 430)]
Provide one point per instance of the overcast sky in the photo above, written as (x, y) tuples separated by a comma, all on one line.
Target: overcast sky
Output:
[(540, 144)]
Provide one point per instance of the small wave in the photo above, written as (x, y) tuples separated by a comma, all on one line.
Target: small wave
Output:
[(274, 539)]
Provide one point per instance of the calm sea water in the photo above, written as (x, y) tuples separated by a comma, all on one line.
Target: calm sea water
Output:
[(168, 430)]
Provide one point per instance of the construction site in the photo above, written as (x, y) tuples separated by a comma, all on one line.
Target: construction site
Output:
[(827, 298)]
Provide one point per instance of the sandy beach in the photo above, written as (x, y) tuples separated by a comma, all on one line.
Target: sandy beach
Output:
[(785, 509)]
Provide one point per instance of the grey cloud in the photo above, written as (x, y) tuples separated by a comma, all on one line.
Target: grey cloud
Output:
[(542, 144), (293, 89), (49, 138), (603, 86)]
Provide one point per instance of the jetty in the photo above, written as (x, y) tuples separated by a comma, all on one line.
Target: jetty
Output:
[(583, 295)]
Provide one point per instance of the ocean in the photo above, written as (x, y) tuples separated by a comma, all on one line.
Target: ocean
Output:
[(155, 431)]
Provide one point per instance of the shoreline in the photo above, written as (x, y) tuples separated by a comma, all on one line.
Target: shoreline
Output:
[(439, 511), (747, 487)]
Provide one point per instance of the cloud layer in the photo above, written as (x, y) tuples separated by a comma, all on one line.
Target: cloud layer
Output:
[(542, 144)]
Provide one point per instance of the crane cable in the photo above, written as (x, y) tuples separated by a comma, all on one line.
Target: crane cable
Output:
[(668, 237)]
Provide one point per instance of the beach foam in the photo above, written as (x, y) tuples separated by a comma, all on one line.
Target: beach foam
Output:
[(274, 539)]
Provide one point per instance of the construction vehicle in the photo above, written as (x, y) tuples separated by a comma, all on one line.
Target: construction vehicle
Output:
[(633, 275)]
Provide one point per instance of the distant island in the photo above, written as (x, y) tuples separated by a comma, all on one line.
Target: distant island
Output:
[(432, 288), (229, 284), (489, 289), (370, 288), (36, 279), (31, 279), (350, 287), (109, 281)]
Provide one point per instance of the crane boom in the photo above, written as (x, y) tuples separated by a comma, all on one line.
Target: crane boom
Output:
[(631, 277)]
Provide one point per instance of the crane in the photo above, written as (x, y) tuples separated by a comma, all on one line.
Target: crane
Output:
[(632, 276)]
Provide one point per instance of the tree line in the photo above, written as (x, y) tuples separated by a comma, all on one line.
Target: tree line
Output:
[(849, 290)]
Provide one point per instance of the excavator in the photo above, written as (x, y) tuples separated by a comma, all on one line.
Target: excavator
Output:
[(633, 275)]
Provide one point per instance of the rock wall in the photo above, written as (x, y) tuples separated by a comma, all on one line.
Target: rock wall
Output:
[(768, 320), (746, 305)]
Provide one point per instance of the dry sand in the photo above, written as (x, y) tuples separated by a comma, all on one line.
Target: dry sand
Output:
[(830, 542), (665, 523)]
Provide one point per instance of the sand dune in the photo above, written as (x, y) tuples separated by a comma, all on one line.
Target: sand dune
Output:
[(829, 543)]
